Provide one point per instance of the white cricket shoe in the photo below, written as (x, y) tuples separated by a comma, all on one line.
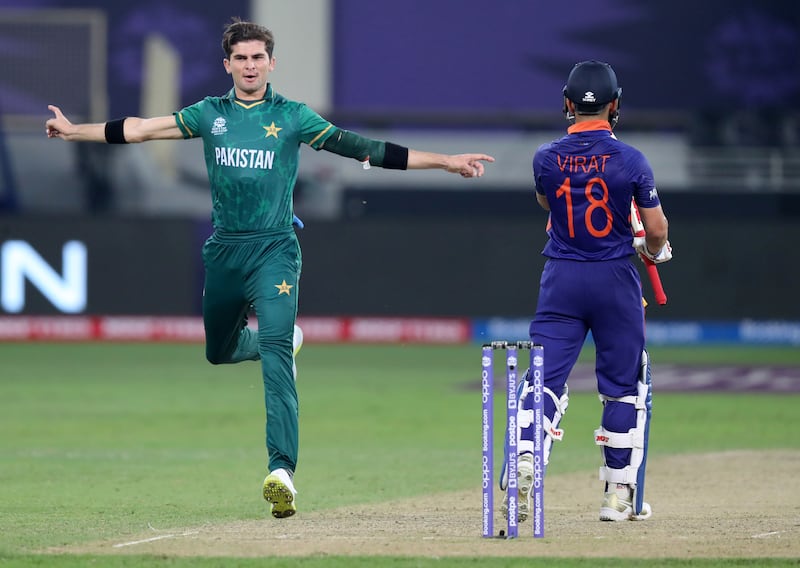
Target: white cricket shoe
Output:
[(524, 486), (616, 508), (280, 492)]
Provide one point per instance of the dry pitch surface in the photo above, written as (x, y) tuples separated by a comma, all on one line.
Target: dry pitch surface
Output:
[(725, 505)]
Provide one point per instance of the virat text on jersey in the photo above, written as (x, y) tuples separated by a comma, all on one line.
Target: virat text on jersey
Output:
[(583, 164)]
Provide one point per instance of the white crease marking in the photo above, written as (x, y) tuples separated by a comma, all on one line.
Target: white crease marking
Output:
[(764, 535), (154, 538)]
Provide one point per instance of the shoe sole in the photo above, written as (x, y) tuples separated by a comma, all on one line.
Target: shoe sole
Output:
[(524, 486), (280, 496)]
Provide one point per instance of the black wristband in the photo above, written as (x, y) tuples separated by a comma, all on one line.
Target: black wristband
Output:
[(115, 131), (395, 157)]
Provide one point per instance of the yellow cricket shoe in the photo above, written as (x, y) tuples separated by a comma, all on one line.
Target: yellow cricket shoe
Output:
[(280, 492)]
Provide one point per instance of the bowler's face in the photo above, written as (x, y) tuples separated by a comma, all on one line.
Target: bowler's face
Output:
[(249, 65)]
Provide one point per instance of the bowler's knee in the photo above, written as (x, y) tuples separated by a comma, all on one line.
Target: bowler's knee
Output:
[(216, 356)]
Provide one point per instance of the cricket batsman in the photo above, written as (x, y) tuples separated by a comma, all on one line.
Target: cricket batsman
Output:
[(587, 180)]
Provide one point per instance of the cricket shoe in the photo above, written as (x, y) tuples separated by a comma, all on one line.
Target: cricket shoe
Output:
[(524, 486), (504, 471), (297, 343), (616, 508), (280, 492)]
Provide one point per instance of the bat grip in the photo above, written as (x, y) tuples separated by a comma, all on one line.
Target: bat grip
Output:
[(652, 270), (655, 281)]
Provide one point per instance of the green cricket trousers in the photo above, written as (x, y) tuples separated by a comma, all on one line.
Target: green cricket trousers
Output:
[(257, 271)]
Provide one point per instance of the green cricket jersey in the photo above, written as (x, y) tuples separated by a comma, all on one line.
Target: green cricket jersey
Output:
[(252, 149)]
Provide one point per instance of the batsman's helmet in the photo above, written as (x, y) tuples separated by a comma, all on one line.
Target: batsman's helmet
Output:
[(592, 85)]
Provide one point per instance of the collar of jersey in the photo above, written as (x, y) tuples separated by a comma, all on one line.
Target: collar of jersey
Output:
[(268, 95), (589, 125)]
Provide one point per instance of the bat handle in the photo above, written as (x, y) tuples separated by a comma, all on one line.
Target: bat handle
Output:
[(652, 271), (655, 281)]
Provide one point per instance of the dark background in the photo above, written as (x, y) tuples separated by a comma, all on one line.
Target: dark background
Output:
[(735, 258)]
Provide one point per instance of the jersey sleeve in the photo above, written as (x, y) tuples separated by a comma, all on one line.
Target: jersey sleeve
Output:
[(538, 163), (188, 120), (644, 190), (313, 129)]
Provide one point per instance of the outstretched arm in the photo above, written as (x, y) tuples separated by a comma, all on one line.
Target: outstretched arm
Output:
[(466, 165), (131, 129), (393, 156)]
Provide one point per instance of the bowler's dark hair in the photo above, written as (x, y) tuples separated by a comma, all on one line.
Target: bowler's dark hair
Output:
[(238, 30)]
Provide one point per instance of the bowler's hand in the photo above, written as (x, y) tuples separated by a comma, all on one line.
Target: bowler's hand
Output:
[(468, 165), (59, 125)]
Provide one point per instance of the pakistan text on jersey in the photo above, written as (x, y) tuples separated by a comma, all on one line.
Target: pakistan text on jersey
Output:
[(244, 158), (584, 164)]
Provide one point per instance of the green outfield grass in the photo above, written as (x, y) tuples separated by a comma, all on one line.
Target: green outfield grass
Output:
[(101, 440)]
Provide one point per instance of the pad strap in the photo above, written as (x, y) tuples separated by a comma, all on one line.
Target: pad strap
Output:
[(626, 475), (633, 438), (550, 426), (637, 401)]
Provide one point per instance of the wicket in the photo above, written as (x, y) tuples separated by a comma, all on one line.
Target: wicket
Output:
[(510, 435)]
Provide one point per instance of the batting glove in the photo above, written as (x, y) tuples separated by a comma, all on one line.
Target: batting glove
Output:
[(663, 255)]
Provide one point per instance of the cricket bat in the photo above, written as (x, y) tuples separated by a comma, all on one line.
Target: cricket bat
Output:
[(652, 270)]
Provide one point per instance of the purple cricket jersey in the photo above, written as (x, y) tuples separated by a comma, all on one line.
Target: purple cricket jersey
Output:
[(589, 178), (589, 282)]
